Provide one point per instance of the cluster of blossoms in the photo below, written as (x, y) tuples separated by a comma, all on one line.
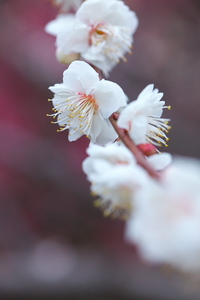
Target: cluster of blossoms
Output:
[(155, 195)]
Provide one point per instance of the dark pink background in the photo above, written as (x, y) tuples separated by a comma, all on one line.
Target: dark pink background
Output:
[(44, 195)]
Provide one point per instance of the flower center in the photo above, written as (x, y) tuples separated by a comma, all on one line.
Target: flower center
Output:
[(99, 33), (157, 129), (115, 41), (76, 112)]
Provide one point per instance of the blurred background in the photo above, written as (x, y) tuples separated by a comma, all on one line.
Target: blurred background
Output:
[(54, 244)]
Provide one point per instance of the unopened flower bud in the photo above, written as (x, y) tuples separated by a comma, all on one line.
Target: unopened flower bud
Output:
[(66, 59), (147, 149)]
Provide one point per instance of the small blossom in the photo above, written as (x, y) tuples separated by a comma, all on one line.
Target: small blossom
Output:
[(101, 32), (142, 118), (115, 178), (83, 103), (165, 224)]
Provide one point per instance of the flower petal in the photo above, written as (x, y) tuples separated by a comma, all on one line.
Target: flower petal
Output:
[(160, 161), (80, 77), (110, 97), (54, 27)]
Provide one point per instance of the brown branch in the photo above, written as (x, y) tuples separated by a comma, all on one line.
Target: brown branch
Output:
[(140, 158)]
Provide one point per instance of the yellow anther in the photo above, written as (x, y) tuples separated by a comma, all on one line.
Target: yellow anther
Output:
[(169, 107)]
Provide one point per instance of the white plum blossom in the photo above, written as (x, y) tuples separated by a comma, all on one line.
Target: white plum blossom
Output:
[(101, 32), (142, 118), (165, 224), (115, 178), (83, 103), (67, 5)]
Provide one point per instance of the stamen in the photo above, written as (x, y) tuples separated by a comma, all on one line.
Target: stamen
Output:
[(76, 111)]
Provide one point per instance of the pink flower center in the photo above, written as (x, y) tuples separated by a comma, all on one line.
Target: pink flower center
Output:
[(98, 33), (88, 100)]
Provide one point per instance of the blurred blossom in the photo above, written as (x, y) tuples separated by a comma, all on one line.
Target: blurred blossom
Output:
[(115, 178), (49, 261), (165, 224), (102, 32)]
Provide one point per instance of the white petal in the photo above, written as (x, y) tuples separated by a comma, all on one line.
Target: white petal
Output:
[(74, 38), (146, 91), (83, 72), (127, 115), (54, 27), (110, 97), (72, 81), (74, 135), (107, 134), (57, 88), (160, 161), (138, 129), (96, 127)]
